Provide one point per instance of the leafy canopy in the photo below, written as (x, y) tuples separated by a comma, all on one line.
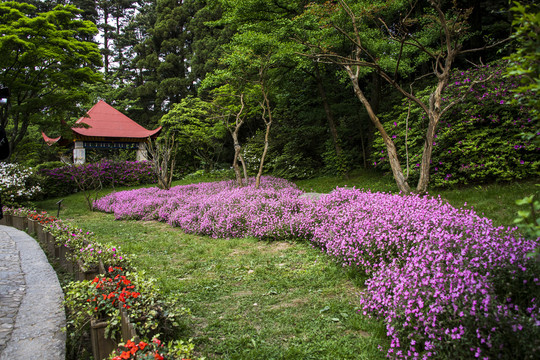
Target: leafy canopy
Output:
[(44, 60)]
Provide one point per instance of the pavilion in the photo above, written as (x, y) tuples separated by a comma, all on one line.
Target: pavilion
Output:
[(104, 127)]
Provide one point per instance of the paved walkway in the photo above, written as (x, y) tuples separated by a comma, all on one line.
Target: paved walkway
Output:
[(31, 311)]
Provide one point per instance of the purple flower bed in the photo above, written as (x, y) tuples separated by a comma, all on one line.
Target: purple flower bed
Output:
[(447, 282)]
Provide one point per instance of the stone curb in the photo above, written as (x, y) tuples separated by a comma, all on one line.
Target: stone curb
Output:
[(37, 330)]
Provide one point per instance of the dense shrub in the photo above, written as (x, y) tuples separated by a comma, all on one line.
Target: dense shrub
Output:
[(479, 140), (210, 175), (447, 282), (286, 160), (61, 180), (51, 185), (18, 184)]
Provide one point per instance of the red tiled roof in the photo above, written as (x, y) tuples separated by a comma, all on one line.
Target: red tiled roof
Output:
[(105, 121)]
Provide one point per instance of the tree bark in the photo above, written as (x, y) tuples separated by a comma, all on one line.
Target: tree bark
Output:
[(401, 182), (237, 149), (268, 122), (241, 158)]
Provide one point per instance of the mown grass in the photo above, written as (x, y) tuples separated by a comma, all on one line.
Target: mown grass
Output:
[(248, 299), (259, 300)]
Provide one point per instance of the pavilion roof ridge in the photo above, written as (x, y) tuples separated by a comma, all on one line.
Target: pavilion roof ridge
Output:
[(103, 120)]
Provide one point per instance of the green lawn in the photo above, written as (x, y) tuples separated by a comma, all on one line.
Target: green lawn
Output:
[(258, 300), (248, 299)]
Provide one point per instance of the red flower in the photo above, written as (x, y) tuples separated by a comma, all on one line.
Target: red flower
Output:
[(158, 357), (125, 355), (142, 345)]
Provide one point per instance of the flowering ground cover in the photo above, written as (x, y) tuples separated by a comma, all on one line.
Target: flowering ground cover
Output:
[(445, 280)]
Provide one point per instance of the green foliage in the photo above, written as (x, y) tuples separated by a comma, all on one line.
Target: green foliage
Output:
[(290, 164), (155, 314), (44, 59), (335, 164), (211, 175), (286, 159), (529, 219), (78, 315), (251, 151), (51, 186), (524, 63), (328, 28), (478, 141), (197, 129)]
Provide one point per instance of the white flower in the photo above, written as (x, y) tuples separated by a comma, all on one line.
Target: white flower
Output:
[(14, 182)]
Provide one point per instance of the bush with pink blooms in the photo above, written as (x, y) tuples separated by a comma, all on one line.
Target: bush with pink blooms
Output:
[(446, 282)]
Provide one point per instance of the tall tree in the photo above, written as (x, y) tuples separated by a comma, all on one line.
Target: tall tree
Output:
[(162, 56), (274, 18), (44, 60), (251, 57), (209, 35)]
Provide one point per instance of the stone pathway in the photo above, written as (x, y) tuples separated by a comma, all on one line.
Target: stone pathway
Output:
[(31, 311), (12, 288)]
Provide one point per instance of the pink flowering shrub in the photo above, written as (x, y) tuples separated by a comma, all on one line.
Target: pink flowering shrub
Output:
[(447, 282), (477, 141)]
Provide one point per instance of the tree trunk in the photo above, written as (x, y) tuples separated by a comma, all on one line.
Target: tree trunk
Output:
[(434, 115), (266, 136), (241, 158), (425, 166), (265, 107), (237, 149), (106, 40), (390, 146), (163, 160)]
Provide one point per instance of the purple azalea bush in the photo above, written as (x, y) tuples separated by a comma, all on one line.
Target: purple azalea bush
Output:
[(479, 140), (110, 173), (446, 282)]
